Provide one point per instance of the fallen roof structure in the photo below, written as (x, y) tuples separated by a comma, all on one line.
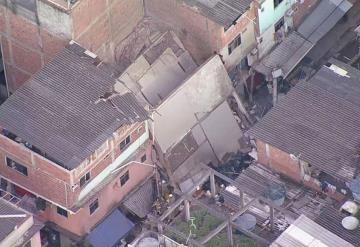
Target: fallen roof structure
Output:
[(68, 109), (198, 95), (293, 48), (318, 119), (158, 71)]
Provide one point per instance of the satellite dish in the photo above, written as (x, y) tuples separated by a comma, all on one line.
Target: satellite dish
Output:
[(350, 223)]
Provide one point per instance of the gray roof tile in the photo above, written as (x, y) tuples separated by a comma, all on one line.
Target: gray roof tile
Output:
[(319, 120), (223, 12), (58, 110)]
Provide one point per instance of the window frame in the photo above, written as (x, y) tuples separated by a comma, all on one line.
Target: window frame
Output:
[(235, 43), (143, 158), (280, 23), (86, 178), (20, 168), (124, 178), (125, 143), (277, 3), (95, 203), (62, 212)]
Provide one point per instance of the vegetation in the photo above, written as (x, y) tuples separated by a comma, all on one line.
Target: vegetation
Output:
[(204, 223)]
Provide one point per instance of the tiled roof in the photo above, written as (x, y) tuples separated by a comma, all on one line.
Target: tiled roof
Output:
[(223, 12), (318, 120), (59, 110)]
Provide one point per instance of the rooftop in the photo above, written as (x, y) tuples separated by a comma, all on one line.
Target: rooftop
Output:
[(68, 109), (222, 12), (8, 225), (317, 120)]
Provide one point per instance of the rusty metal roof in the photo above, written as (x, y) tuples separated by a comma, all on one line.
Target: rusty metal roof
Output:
[(59, 110), (318, 120), (222, 12)]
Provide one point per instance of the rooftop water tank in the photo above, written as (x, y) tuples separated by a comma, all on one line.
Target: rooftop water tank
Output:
[(350, 223), (148, 242)]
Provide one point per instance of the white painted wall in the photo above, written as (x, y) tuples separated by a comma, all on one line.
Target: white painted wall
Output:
[(269, 15)]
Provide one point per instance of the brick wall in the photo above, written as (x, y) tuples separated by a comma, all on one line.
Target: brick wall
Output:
[(281, 162), (30, 39), (100, 25), (41, 174), (25, 47), (278, 160), (109, 197), (200, 36)]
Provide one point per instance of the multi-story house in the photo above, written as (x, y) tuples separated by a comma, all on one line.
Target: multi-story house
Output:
[(225, 27), (71, 144), (33, 31)]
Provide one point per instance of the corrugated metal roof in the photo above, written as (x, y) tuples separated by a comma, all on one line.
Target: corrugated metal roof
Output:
[(318, 120), (305, 232), (331, 219), (293, 48), (325, 15), (285, 56), (140, 201), (58, 110), (223, 12), (8, 225)]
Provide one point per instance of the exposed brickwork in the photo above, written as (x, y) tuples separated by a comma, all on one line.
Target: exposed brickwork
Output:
[(15, 77), (25, 59), (281, 162), (24, 31), (25, 46)]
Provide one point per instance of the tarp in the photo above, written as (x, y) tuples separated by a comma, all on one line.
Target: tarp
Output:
[(111, 230)]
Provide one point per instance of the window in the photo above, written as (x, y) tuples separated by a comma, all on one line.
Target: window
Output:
[(62, 211), (279, 24), (93, 206), (235, 43), (277, 2), (124, 143), (143, 158), (124, 178), (16, 166), (84, 179)]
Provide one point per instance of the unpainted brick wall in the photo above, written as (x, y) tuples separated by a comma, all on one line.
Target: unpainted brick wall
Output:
[(200, 36), (25, 47)]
